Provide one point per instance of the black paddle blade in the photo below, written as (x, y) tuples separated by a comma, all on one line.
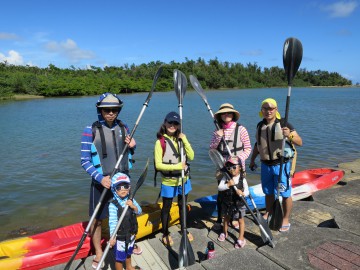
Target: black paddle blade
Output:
[(276, 218), (140, 180), (292, 56), (186, 253)]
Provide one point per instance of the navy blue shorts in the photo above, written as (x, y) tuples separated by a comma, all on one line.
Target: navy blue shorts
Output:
[(119, 249), (96, 190)]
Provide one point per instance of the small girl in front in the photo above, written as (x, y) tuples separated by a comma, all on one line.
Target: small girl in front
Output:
[(125, 237), (232, 205)]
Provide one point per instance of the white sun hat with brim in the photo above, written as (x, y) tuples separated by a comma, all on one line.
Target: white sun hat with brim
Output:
[(109, 100)]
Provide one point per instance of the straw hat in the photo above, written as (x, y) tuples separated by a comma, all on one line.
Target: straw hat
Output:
[(227, 107)]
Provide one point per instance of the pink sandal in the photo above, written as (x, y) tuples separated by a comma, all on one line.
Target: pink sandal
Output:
[(222, 237), (137, 250), (240, 243)]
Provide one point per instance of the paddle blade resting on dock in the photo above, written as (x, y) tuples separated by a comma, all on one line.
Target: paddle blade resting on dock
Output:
[(276, 217)]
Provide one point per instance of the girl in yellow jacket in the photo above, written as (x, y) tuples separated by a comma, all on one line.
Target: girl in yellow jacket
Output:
[(168, 163)]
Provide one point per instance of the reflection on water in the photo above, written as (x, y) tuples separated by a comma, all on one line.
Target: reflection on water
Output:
[(43, 185)]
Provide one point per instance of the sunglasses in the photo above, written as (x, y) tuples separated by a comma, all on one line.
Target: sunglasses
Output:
[(268, 109), (114, 110), (174, 123), (122, 187), (233, 167)]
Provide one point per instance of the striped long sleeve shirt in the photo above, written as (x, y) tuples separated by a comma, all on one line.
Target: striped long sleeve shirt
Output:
[(113, 212), (244, 137), (86, 141)]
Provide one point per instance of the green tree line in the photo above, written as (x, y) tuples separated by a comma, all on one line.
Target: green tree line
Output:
[(53, 81)]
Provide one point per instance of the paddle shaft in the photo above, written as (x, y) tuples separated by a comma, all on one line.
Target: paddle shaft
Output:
[(186, 253), (112, 237), (118, 224), (218, 161), (103, 194), (251, 212), (182, 171), (261, 221), (200, 91), (195, 83), (183, 261), (292, 56)]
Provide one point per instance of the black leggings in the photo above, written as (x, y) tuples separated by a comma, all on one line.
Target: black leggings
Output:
[(165, 213)]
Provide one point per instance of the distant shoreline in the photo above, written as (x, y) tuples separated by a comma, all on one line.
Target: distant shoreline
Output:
[(24, 96), (21, 97), (344, 86)]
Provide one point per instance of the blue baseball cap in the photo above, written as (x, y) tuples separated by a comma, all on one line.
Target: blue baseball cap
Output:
[(172, 117)]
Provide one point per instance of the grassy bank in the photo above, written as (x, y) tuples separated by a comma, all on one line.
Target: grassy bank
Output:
[(20, 97)]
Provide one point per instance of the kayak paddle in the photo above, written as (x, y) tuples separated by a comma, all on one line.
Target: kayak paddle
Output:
[(197, 86), (261, 220), (219, 162), (292, 56), (96, 210), (186, 253), (132, 195)]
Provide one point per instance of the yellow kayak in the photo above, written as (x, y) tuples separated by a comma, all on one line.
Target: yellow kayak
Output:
[(57, 246)]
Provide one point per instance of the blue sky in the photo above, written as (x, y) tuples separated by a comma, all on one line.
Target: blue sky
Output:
[(118, 32)]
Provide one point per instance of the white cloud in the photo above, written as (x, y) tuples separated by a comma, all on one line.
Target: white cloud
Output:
[(14, 58), (252, 53), (341, 9), (70, 50), (8, 36)]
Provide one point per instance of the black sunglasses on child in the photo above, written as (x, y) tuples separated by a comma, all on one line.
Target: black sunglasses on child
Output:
[(121, 187), (232, 167)]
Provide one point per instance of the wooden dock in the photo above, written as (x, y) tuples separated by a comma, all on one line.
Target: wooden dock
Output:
[(324, 234)]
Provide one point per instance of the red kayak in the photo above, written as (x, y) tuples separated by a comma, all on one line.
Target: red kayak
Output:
[(44, 249), (304, 184), (307, 182)]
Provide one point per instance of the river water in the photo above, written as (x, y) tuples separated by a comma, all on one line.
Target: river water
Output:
[(42, 185)]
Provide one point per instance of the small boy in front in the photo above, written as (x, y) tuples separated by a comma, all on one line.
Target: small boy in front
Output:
[(232, 205), (125, 237)]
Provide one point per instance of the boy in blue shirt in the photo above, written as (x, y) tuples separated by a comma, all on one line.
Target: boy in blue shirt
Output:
[(125, 236)]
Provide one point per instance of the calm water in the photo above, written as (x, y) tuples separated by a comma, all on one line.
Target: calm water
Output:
[(43, 185)]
